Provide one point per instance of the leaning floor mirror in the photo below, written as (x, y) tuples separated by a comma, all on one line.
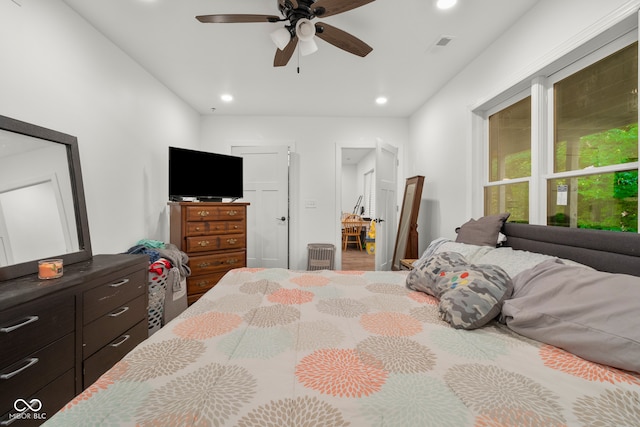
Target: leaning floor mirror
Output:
[(407, 239)]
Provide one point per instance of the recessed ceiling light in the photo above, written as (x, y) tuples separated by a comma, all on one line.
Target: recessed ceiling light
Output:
[(446, 4), (226, 97), (381, 100)]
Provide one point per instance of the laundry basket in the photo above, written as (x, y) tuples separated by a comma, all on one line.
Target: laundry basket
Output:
[(320, 256)]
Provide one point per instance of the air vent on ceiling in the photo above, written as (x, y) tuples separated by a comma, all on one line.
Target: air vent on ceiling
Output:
[(439, 44), (443, 41)]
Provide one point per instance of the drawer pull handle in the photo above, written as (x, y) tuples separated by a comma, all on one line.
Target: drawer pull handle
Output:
[(120, 283), (30, 362), (203, 213), (122, 341), (232, 261), (202, 284), (25, 322), (119, 312), (204, 264), (8, 422), (232, 213), (232, 241), (203, 243)]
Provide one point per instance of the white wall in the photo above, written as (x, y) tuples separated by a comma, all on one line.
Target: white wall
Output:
[(313, 173), (350, 189), (440, 131), (58, 72)]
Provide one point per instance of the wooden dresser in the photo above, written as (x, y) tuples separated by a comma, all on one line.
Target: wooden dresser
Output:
[(214, 236), (58, 336)]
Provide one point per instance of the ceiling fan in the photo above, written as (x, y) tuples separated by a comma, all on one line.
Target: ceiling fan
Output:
[(300, 30)]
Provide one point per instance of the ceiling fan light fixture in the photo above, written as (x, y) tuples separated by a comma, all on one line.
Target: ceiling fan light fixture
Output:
[(281, 37), (305, 30), (307, 47)]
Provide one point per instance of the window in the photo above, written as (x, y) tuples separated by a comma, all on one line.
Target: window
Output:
[(509, 159), (585, 170), (369, 195)]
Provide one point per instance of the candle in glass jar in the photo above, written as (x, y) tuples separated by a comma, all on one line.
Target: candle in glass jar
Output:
[(49, 268)]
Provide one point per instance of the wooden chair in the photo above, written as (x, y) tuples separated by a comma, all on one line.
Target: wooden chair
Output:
[(351, 228)]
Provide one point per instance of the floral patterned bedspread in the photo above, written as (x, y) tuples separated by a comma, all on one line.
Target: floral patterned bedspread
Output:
[(285, 348)]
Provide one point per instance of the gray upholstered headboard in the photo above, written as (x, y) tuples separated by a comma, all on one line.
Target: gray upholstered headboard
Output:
[(609, 251)]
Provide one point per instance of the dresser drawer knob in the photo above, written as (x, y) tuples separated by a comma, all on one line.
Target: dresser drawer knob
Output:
[(30, 362), (232, 213), (203, 213), (232, 261), (203, 243), (119, 312), (204, 264), (120, 283), (122, 341), (232, 241), (25, 322), (202, 284)]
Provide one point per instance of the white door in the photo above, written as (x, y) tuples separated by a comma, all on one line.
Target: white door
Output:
[(386, 204), (266, 187)]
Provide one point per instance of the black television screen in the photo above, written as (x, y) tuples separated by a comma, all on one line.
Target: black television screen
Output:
[(203, 175)]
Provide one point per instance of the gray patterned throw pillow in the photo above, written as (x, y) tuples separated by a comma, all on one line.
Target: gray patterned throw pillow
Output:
[(470, 295)]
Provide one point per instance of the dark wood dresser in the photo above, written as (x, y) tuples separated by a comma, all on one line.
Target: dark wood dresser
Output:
[(58, 336), (214, 236)]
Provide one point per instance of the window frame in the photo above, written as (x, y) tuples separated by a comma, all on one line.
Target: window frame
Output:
[(540, 87)]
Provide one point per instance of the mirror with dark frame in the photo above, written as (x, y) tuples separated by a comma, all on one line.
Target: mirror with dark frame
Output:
[(42, 206), (407, 239)]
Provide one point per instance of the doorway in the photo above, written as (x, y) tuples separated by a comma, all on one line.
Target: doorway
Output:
[(358, 198), (366, 186)]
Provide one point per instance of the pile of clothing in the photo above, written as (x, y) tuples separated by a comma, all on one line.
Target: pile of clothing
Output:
[(168, 272)]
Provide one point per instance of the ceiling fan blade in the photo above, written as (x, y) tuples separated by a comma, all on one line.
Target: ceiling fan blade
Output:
[(283, 56), (215, 19), (323, 8), (342, 39)]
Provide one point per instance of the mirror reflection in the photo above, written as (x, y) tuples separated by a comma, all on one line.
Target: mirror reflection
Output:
[(37, 215)]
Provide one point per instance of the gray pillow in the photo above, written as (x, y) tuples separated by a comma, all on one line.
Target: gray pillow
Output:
[(470, 295), (482, 232), (423, 277), (592, 314), (475, 295)]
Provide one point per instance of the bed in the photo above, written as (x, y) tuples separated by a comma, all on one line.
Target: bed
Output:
[(275, 347)]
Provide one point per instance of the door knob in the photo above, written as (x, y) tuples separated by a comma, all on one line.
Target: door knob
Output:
[(282, 218)]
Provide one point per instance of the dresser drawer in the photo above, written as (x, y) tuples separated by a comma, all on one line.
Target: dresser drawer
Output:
[(31, 373), (200, 228), (104, 359), (215, 213), (201, 284), (33, 325), (214, 243), (215, 263), (53, 397), (112, 325), (113, 293)]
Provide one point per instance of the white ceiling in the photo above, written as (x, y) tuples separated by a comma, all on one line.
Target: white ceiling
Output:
[(199, 62)]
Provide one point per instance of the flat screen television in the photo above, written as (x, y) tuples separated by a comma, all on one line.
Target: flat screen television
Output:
[(203, 176)]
